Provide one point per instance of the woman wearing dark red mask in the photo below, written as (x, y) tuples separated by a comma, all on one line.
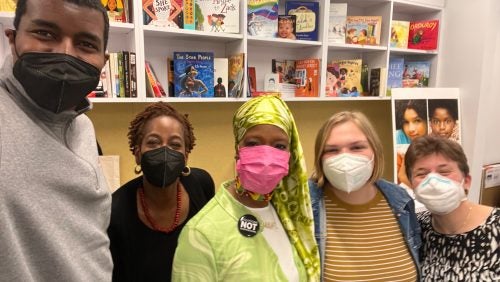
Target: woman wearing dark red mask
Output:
[(259, 226)]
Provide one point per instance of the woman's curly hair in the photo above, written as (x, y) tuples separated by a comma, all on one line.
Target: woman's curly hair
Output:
[(136, 128)]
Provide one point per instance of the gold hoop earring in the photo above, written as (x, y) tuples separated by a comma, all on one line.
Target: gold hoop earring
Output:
[(186, 171), (137, 169)]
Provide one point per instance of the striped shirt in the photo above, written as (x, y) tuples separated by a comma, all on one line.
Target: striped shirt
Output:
[(365, 242)]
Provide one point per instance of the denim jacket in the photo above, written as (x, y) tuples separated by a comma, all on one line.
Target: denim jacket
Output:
[(400, 203)]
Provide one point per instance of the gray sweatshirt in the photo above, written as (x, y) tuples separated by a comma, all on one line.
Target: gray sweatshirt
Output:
[(54, 202)]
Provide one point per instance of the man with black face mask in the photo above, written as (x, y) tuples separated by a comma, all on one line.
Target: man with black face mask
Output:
[(54, 201)]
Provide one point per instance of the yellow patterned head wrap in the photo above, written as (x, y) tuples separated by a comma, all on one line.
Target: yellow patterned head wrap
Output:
[(291, 198)]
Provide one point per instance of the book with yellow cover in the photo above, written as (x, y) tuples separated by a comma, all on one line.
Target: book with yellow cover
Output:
[(7, 5)]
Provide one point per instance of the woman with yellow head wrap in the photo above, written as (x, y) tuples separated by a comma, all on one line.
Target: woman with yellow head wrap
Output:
[(259, 226)]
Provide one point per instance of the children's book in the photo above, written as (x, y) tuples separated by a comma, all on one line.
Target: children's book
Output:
[(395, 73), (307, 78), (164, 13), (271, 82), (218, 16), (287, 27), (399, 34), (307, 14), (337, 21), (194, 74), (262, 18), (170, 77), (378, 80), (115, 10), (220, 76), (350, 77), (7, 6), (423, 35), (285, 70), (333, 85), (236, 75), (252, 81), (153, 81), (363, 30), (416, 74)]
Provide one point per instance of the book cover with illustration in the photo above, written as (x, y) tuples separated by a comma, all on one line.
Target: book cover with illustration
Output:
[(399, 34), (220, 77), (165, 13), (336, 24), (423, 35), (262, 18), (236, 75), (307, 78), (363, 30), (395, 73), (349, 77), (307, 18), (416, 74), (285, 70), (115, 9), (218, 16), (194, 74), (287, 27), (333, 85)]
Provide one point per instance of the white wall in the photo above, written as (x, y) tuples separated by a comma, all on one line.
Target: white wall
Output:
[(470, 59)]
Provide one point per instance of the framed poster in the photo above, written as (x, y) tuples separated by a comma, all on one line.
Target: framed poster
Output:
[(418, 112)]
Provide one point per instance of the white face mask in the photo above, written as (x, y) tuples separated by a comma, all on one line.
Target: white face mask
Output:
[(348, 172), (439, 194)]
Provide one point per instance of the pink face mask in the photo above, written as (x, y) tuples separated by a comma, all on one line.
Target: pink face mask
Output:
[(261, 168)]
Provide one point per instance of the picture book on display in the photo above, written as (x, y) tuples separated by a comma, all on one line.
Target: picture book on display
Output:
[(307, 78), (220, 77), (236, 75), (287, 27), (423, 35), (395, 73), (307, 14), (218, 15), (416, 74), (349, 77), (285, 69), (337, 21), (194, 74), (262, 18), (363, 30), (163, 13), (115, 9), (189, 8), (399, 34), (333, 85)]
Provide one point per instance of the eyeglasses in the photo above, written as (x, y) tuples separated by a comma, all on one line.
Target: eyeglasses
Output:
[(447, 121)]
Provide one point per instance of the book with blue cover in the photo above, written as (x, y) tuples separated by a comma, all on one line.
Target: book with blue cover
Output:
[(307, 19), (194, 74), (395, 73)]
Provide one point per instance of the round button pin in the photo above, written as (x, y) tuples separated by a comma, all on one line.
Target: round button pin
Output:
[(248, 225)]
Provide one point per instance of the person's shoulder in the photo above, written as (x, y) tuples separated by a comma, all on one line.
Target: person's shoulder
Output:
[(124, 191), (200, 173), (424, 218)]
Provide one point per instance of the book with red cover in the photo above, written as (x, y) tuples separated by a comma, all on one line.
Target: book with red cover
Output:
[(423, 35), (307, 78)]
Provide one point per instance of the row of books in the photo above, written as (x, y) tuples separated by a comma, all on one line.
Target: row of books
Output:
[(366, 30), (198, 74), (300, 21), (421, 35), (203, 15), (118, 77)]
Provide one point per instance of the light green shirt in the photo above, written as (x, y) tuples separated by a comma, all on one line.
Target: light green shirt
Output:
[(211, 248)]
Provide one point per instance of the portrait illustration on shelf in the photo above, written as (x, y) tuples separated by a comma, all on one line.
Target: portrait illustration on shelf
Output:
[(218, 15), (419, 112)]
